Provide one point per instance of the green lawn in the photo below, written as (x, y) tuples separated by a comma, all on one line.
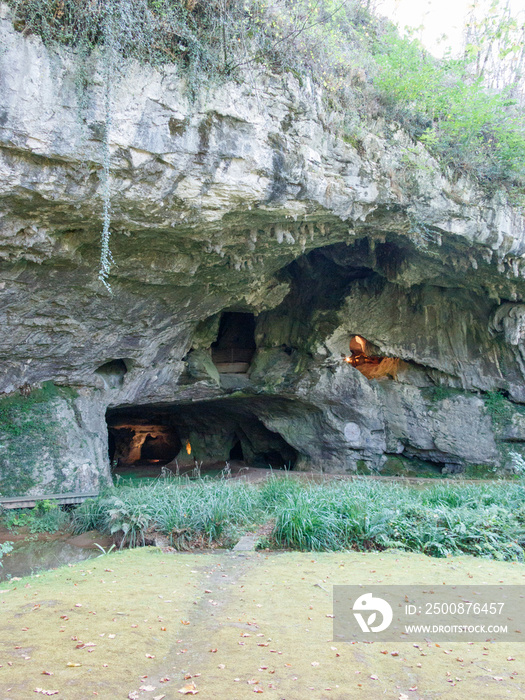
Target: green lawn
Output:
[(227, 620)]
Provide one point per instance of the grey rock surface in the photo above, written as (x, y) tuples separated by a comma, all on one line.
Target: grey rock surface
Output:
[(247, 199)]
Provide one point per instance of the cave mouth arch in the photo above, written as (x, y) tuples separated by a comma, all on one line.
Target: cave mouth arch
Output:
[(235, 346), (205, 433)]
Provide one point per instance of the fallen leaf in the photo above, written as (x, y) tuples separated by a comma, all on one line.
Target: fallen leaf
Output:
[(394, 653), (134, 695), (148, 688), (150, 656), (48, 673), (71, 664), (184, 622), (374, 678), (189, 689)]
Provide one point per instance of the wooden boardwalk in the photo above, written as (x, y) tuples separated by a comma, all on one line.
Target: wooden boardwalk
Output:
[(58, 498)]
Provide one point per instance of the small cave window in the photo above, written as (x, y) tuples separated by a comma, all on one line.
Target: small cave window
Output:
[(364, 359), (235, 346), (112, 373)]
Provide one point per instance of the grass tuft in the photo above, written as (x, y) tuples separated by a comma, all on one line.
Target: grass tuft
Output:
[(483, 520)]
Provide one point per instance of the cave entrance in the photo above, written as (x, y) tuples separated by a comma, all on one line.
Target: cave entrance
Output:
[(236, 453), (139, 441), (142, 439), (235, 346)]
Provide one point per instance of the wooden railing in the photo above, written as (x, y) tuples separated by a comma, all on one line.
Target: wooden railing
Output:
[(58, 498)]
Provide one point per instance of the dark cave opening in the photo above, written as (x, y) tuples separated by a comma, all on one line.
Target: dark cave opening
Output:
[(112, 373), (235, 347), (204, 433), (236, 452)]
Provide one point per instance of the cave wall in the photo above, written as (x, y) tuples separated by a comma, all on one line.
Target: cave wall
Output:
[(247, 199)]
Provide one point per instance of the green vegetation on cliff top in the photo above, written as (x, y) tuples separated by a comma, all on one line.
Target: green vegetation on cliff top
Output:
[(364, 67)]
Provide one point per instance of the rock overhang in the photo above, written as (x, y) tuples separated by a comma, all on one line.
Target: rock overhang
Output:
[(217, 208)]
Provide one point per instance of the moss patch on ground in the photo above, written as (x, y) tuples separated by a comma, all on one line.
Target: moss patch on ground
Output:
[(232, 619)]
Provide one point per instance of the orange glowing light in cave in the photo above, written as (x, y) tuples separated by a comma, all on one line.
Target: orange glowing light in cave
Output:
[(188, 447), (372, 366)]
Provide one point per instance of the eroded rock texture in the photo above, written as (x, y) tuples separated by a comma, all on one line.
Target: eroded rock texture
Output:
[(248, 200)]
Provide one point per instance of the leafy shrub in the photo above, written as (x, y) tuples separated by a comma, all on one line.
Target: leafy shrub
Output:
[(5, 548), (473, 130), (44, 517), (496, 405), (517, 463)]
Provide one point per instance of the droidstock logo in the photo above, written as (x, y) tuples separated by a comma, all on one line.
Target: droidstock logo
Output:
[(368, 603)]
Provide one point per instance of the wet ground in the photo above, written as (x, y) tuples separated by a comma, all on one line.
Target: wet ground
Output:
[(34, 553)]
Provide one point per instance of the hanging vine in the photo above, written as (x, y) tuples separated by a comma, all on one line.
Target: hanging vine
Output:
[(106, 258)]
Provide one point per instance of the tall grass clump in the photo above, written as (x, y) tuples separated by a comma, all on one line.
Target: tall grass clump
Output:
[(181, 509), (486, 520), (482, 521)]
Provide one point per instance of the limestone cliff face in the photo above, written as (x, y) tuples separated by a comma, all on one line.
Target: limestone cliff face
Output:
[(247, 200)]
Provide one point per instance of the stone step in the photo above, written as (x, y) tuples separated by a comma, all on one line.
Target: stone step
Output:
[(247, 543)]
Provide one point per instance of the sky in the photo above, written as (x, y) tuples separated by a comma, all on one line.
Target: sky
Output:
[(437, 17)]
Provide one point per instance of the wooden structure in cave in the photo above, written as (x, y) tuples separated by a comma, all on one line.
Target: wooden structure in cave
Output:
[(233, 351)]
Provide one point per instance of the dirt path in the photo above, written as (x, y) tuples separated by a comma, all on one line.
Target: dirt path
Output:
[(233, 625)]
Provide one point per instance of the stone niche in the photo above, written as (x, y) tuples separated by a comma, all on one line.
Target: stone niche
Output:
[(233, 351)]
